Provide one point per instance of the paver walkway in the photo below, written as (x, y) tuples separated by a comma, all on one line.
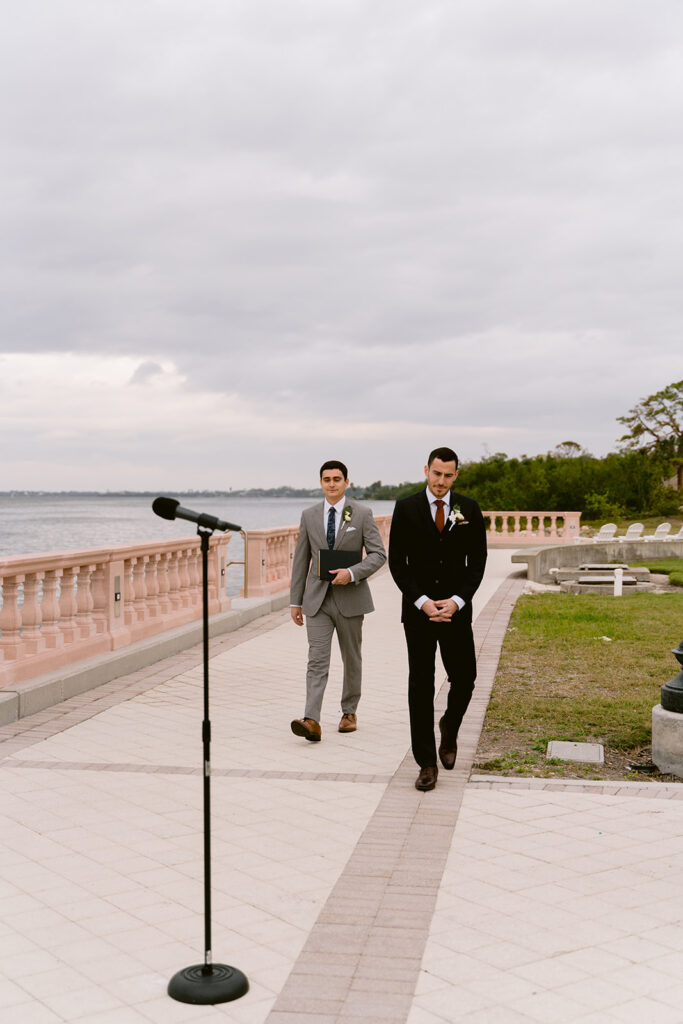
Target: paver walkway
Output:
[(342, 892)]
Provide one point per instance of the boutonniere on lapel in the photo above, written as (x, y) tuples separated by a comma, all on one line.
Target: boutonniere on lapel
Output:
[(456, 518), (347, 514)]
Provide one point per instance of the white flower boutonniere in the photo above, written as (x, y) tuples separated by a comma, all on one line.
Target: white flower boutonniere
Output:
[(456, 518), (347, 513)]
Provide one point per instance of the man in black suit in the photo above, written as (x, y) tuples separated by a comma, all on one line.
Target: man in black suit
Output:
[(437, 555)]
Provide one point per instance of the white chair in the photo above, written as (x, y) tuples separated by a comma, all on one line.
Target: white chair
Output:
[(606, 532), (660, 533), (634, 532), (675, 536)]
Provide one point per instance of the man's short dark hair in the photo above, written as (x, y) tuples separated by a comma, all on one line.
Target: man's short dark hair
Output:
[(445, 454), (333, 464)]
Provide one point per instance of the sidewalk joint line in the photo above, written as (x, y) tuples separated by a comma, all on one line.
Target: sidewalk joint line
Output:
[(172, 769)]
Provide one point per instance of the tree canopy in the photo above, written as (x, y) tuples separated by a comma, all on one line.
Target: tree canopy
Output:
[(656, 423)]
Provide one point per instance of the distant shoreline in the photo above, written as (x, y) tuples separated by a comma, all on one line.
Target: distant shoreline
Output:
[(273, 492)]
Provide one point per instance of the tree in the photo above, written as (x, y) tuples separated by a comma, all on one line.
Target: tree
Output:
[(569, 450), (655, 424)]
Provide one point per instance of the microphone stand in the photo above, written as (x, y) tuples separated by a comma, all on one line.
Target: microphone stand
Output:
[(207, 983)]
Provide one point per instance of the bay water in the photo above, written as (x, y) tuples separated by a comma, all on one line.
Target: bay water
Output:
[(32, 523)]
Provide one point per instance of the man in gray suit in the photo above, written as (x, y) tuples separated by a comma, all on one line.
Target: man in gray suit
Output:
[(338, 606)]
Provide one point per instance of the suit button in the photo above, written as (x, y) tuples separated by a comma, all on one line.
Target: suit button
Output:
[(436, 581)]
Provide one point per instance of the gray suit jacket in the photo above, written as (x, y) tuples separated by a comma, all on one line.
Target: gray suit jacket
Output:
[(307, 591)]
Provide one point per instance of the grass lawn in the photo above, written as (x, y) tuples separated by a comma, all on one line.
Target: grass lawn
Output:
[(583, 668)]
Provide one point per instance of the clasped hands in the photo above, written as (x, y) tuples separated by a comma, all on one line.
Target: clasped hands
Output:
[(442, 610)]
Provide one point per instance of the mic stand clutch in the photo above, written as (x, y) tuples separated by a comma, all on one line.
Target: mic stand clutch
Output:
[(207, 983)]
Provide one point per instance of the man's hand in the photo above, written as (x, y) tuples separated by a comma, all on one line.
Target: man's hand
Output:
[(447, 609), (442, 610), (341, 577), (297, 616)]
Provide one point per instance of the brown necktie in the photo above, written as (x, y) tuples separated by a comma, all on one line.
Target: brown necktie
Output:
[(439, 520)]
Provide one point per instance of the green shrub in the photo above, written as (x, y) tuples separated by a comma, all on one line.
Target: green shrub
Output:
[(600, 506)]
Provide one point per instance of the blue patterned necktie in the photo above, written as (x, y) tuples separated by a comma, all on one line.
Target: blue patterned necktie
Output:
[(330, 528)]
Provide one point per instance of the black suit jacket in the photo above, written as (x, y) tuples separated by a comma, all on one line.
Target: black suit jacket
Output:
[(424, 561)]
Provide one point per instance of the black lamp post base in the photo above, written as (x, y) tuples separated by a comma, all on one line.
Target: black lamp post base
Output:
[(205, 985)]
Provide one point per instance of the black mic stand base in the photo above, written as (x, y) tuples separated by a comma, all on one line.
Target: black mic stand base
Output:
[(205, 984)]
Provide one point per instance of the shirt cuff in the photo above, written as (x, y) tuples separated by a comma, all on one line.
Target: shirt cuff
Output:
[(353, 578), (458, 600)]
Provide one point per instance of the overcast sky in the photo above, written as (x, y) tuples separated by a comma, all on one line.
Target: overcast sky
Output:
[(239, 238)]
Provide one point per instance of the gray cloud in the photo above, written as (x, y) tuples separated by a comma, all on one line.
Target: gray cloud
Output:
[(395, 211)]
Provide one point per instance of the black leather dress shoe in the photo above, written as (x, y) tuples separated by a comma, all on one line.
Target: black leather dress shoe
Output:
[(448, 748), (427, 778)]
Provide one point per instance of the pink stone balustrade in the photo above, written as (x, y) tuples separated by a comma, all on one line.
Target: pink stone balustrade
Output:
[(533, 527), (269, 553), (63, 607)]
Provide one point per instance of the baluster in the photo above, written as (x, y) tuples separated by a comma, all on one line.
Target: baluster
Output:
[(263, 553), (139, 589), (52, 634), (129, 591), (195, 574), (184, 574), (174, 581), (276, 558), (553, 525), (152, 583), (216, 549), (67, 605), (84, 603), (31, 616), (270, 560), (10, 618), (163, 583), (100, 603), (517, 529)]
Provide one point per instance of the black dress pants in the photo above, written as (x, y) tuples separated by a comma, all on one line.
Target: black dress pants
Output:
[(456, 646)]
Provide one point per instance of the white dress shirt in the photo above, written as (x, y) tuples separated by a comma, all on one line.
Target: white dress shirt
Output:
[(338, 509), (433, 509)]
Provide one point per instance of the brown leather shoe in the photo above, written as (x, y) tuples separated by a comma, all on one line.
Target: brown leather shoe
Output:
[(308, 728), (427, 778), (348, 723), (448, 748)]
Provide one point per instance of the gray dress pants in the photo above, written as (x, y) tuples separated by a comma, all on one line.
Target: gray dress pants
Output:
[(319, 628)]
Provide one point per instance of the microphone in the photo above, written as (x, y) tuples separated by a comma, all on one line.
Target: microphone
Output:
[(169, 508)]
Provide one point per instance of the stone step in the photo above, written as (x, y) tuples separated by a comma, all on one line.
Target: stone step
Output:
[(588, 572)]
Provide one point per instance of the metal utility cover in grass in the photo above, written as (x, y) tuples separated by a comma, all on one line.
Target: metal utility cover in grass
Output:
[(590, 753)]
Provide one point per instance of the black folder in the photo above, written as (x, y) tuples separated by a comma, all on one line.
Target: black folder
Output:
[(328, 559)]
